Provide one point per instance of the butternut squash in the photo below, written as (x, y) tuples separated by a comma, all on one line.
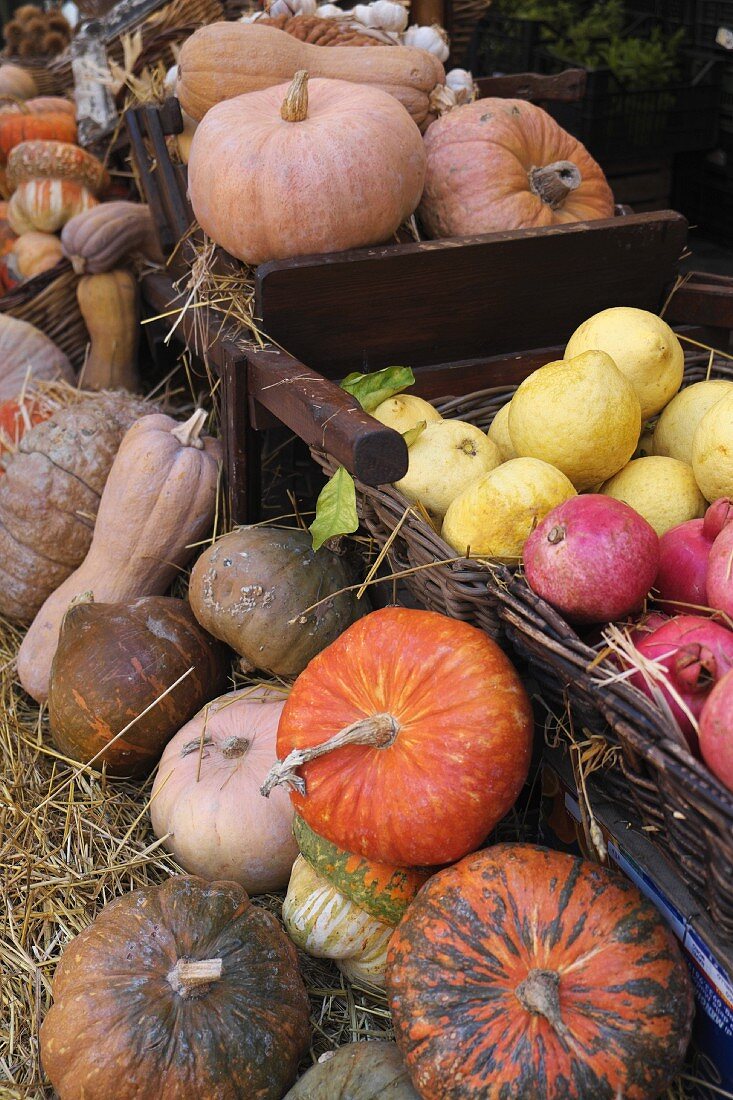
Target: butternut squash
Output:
[(109, 304), (158, 503), (36, 252), (224, 60), (98, 239)]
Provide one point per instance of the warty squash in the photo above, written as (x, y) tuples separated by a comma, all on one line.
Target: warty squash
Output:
[(186, 989), (224, 60), (324, 923), (50, 495), (32, 119), (98, 239), (159, 501), (206, 799), (522, 972), (110, 306), (500, 164), (371, 1070), (352, 155), (26, 353), (36, 252)]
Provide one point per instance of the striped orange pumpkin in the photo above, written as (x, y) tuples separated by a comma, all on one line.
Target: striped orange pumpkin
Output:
[(521, 972)]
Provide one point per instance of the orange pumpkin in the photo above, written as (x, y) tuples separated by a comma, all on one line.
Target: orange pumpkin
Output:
[(522, 972), (36, 118), (316, 167), (47, 205), (500, 164), (16, 417), (409, 738)]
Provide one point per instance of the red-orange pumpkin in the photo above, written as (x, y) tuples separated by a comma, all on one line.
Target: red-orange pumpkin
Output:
[(499, 164), (34, 119), (18, 415), (522, 972), (417, 738)]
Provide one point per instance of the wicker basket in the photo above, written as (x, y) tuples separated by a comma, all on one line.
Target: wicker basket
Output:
[(684, 808), (465, 16), (48, 301), (52, 75)]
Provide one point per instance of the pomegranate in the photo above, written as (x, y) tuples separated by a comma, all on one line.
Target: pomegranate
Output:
[(716, 730), (593, 558), (684, 558), (717, 516), (695, 653), (720, 572)]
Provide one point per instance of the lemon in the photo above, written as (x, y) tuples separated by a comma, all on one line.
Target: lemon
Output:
[(712, 450), (404, 412), (499, 433), (580, 415), (495, 515), (662, 490), (676, 426), (642, 346), (444, 459)]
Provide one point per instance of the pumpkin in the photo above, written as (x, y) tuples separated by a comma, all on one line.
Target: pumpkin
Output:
[(50, 495), (110, 306), (115, 665), (324, 923), (180, 990), (206, 801), (51, 181), (27, 353), (224, 60), (523, 972), (382, 890), (17, 81), (38, 105), (359, 1071), (46, 205), (98, 239), (16, 417), (158, 503), (407, 740), (256, 587), (31, 120), (36, 252), (342, 143), (499, 164)]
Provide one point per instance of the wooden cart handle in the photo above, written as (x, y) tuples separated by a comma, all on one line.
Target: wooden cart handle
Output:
[(326, 417)]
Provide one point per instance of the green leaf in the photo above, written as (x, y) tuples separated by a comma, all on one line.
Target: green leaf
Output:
[(414, 433), (335, 509), (372, 389)]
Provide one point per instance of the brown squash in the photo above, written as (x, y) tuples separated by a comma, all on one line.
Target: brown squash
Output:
[(359, 1071), (98, 239), (115, 662), (158, 504), (224, 60), (50, 494), (27, 353), (110, 306), (36, 252), (180, 991), (253, 588)]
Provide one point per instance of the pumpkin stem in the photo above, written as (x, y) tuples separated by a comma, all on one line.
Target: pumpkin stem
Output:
[(295, 104), (234, 746), (555, 182), (378, 731), (539, 994), (188, 978), (189, 434)]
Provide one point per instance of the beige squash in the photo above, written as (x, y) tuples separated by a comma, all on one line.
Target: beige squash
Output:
[(109, 304)]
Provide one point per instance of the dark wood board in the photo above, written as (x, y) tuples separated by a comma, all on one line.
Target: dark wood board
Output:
[(465, 298)]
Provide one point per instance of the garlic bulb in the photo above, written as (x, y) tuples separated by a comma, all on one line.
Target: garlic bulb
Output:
[(384, 15), (461, 82), (171, 78), (433, 39), (291, 7), (332, 11), (70, 13)]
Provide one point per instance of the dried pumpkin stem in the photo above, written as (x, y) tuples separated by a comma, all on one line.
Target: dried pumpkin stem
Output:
[(539, 994), (189, 433), (188, 978), (295, 104), (378, 732), (555, 182)]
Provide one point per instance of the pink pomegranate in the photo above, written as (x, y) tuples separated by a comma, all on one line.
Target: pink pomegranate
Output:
[(716, 730), (683, 559), (720, 572), (717, 516), (592, 558), (695, 653)]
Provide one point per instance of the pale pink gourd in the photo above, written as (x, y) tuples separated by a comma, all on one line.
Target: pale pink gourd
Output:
[(499, 164), (342, 166), (206, 799)]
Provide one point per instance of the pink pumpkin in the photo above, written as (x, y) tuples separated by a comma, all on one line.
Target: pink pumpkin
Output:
[(311, 167), (206, 797)]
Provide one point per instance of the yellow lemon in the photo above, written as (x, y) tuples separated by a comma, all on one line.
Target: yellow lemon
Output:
[(676, 426), (404, 412), (444, 459), (499, 433), (495, 515), (662, 490), (712, 450), (580, 415), (642, 346)]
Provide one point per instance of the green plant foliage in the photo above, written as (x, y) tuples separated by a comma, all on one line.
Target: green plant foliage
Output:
[(335, 509), (372, 389)]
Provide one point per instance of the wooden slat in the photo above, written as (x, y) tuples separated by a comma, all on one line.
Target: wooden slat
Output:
[(565, 87), (466, 298)]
